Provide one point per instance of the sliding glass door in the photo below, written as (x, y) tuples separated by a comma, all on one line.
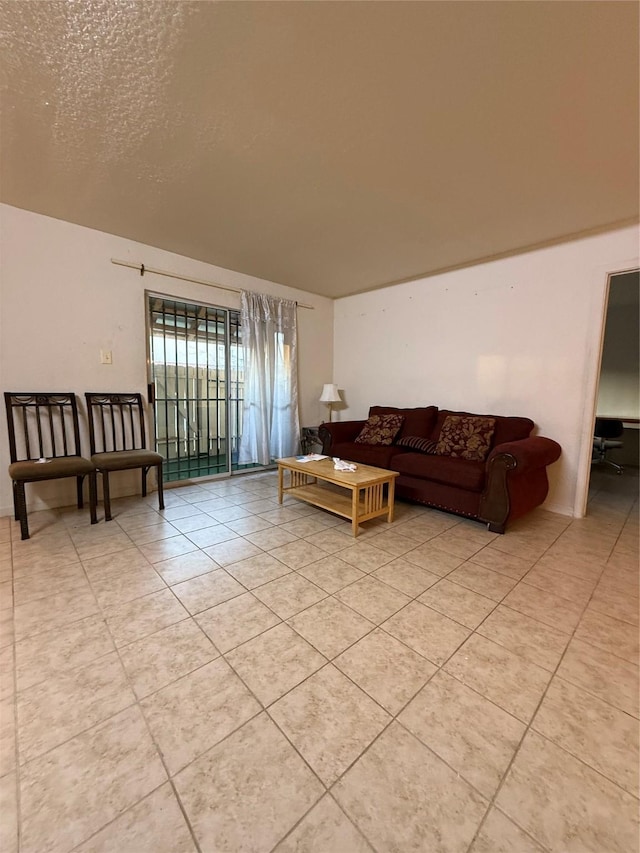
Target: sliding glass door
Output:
[(196, 376)]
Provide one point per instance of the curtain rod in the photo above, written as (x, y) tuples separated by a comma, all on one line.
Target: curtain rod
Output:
[(142, 269)]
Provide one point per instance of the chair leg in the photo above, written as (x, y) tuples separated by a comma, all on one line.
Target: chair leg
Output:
[(21, 509), (15, 501), (79, 482), (144, 482), (160, 486), (105, 496), (93, 497)]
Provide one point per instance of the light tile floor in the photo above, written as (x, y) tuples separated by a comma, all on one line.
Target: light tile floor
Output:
[(231, 675)]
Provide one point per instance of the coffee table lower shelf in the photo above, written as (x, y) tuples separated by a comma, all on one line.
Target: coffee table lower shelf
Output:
[(357, 498)]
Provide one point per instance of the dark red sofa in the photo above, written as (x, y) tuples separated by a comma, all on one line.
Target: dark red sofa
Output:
[(509, 483)]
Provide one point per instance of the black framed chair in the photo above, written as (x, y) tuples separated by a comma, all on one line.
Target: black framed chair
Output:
[(118, 440), (607, 434), (44, 444)]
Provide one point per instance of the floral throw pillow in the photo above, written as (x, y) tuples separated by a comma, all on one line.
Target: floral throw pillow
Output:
[(466, 436), (380, 429)]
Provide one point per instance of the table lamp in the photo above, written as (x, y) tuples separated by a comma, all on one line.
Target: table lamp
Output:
[(330, 395)]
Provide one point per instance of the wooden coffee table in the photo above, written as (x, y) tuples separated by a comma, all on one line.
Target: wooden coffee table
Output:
[(360, 496)]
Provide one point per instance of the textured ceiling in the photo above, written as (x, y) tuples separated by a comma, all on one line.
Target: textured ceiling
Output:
[(331, 146)]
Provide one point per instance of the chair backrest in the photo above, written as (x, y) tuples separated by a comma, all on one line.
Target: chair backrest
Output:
[(116, 422), (606, 428), (42, 425)]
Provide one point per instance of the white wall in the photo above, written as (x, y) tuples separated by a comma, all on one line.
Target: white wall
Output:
[(62, 301), (517, 336)]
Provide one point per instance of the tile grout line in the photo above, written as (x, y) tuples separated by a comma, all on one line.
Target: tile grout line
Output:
[(18, 779), (137, 703), (492, 803), (393, 717), (370, 574), (284, 622), (263, 709), (16, 719), (328, 662), (528, 725)]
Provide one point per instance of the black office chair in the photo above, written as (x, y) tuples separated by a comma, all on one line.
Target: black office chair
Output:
[(606, 438), (44, 444), (118, 441)]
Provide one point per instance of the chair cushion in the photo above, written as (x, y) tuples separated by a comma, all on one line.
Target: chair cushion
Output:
[(380, 429), (52, 469), (120, 460)]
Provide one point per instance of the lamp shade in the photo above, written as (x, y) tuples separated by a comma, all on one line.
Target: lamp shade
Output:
[(330, 394)]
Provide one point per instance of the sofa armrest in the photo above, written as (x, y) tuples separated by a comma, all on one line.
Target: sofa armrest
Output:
[(338, 432), (516, 479), (528, 453)]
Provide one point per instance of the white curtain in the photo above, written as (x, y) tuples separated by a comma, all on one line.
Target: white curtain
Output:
[(270, 422)]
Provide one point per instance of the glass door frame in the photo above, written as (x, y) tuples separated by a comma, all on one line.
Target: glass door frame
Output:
[(149, 295)]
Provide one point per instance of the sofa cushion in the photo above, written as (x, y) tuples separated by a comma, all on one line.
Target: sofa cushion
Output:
[(418, 421), (378, 455), (380, 429), (449, 470), (507, 428), (466, 436), (420, 445)]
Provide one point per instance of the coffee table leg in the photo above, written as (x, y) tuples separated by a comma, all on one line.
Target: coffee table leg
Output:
[(355, 495), (280, 478), (390, 498)]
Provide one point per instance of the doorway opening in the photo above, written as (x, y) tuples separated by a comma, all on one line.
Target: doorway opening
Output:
[(618, 396)]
